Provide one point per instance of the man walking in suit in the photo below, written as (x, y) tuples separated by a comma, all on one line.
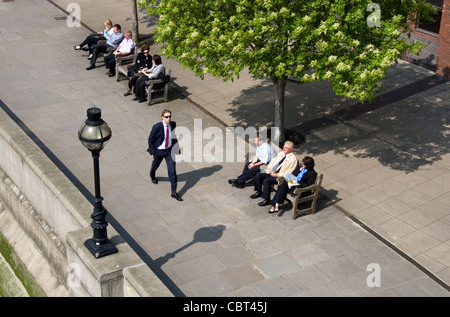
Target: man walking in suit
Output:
[(161, 144), (285, 162)]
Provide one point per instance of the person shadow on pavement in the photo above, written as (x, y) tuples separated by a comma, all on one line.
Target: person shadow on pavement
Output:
[(193, 177)]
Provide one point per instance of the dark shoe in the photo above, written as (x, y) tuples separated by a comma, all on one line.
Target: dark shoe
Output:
[(90, 67), (85, 49), (127, 93), (271, 211), (231, 181), (77, 48), (136, 98), (154, 181), (256, 195), (141, 100), (175, 195), (238, 185), (111, 74), (265, 202)]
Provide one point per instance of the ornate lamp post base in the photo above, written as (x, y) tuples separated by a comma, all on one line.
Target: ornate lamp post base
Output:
[(98, 250)]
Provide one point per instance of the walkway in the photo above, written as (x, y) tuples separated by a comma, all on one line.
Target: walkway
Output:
[(386, 167)]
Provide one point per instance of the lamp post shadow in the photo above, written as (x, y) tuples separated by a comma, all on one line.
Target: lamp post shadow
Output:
[(205, 234)]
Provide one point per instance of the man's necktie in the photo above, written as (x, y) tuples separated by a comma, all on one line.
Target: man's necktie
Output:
[(279, 164), (166, 145)]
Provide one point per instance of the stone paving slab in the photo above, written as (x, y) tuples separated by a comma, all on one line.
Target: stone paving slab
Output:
[(381, 168)]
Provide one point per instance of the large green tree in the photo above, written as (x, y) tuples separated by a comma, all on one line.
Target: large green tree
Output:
[(351, 43)]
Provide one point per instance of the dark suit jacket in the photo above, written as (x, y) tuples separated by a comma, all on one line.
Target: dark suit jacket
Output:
[(308, 178), (156, 136)]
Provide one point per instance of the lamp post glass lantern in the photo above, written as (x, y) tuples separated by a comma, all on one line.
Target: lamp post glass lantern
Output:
[(94, 134)]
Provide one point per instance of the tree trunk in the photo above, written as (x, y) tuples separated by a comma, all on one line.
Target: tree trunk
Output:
[(280, 86), (135, 25)]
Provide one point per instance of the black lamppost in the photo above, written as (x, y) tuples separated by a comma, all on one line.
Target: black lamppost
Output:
[(94, 134)]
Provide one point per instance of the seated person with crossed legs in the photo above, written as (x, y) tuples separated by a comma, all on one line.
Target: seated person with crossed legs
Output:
[(102, 47), (306, 177)]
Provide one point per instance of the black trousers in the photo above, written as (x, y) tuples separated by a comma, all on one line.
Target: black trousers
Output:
[(91, 40), (263, 184), (132, 81), (139, 87), (110, 63), (248, 173), (157, 159), (280, 194), (97, 49)]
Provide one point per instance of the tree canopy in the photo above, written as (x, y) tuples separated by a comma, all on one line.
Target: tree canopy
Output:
[(351, 43)]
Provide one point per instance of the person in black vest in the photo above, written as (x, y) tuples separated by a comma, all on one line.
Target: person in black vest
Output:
[(162, 144)]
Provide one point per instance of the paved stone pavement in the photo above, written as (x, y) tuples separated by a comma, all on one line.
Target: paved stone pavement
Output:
[(386, 204)]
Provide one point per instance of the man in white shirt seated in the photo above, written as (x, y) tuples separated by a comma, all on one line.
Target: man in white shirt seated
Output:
[(264, 154), (125, 47)]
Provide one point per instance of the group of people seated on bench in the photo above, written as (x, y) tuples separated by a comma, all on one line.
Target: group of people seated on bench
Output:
[(114, 43), (268, 169)]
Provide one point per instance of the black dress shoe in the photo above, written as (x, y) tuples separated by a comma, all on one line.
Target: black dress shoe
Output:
[(265, 202), (231, 181), (154, 181), (90, 67), (141, 100), (111, 74), (256, 195), (238, 185), (136, 98), (175, 195)]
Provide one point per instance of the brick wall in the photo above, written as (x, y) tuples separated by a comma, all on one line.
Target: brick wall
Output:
[(443, 64)]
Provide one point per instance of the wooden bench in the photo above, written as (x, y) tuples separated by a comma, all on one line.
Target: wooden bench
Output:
[(150, 88), (125, 62), (312, 197)]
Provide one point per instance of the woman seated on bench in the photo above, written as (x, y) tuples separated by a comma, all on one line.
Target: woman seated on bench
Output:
[(92, 39), (155, 72), (305, 178)]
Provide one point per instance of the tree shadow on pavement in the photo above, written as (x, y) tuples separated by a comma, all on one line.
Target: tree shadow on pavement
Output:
[(400, 128)]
